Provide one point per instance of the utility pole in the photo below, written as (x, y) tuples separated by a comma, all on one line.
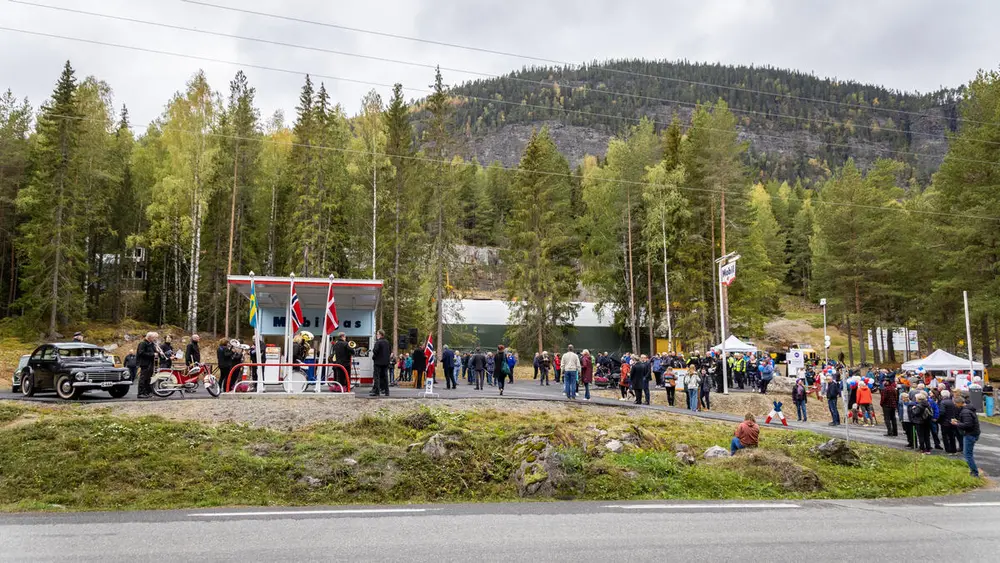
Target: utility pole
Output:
[(232, 229), (723, 262)]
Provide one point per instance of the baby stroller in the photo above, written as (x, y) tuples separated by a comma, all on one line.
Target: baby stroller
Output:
[(602, 378)]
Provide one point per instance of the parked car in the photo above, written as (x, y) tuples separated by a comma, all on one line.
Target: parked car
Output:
[(16, 380), (70, 369)]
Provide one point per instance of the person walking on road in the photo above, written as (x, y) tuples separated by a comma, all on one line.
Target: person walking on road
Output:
[(544, 363), (145, 357), (832, 396), (570, 364), (949, 432), (670, 384), (501, 362), (888, 401), (747, 435), (706, 390), (586, 373), (640, 380), (922, 415), (535, 363), (479, 368), (381, 353), (448, 360), (799, 398), (692, 385), (967, 423)]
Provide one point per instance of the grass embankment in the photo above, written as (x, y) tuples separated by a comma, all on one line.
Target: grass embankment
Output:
[(88, 460)]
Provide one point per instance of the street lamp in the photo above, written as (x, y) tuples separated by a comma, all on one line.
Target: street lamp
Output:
[(727, 273), (826, 339)]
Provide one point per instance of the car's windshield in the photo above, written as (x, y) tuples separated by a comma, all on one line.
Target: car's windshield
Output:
[(82, 353)]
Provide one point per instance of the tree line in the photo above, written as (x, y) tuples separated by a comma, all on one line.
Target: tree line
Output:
[(211, 187)]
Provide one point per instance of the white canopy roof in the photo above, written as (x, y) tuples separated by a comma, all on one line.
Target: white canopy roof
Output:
[(940, 360), (734, 344)]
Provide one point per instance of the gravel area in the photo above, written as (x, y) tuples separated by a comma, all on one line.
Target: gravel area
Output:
[(293, 413)]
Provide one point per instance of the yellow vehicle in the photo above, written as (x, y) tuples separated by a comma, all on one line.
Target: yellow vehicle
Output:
[(807, 351)]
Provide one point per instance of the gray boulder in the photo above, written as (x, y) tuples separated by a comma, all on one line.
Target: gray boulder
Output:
[(716, 451), (685, 458), (436, 447), (615, 446), (838, 452)]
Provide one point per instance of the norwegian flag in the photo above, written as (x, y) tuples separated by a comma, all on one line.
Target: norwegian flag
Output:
[(429, 354), (295, 310), (331, 312)]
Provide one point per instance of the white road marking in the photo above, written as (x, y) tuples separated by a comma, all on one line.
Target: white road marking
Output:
[(309, 512), (697, 506), (970, 504)]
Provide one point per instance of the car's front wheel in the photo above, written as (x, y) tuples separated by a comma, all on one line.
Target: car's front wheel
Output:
[(64, 388), (28, 384), (118, 392)]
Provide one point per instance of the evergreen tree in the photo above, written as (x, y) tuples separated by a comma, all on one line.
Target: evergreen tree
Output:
[(542, 279), (15, 153), (54, 259)]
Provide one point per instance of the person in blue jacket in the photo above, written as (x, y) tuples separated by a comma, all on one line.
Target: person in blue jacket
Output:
[(766, 375), (511, 362)]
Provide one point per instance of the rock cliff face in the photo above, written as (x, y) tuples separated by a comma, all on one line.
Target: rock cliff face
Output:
[(798, 125)]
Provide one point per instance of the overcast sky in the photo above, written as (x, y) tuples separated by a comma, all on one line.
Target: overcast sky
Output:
[(902, 44)]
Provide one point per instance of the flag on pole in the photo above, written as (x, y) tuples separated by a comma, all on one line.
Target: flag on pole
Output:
[(253, 304), (429, 354), (295, 309), (332, 323)]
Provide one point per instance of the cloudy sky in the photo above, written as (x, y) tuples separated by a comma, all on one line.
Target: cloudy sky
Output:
[(903, 44)]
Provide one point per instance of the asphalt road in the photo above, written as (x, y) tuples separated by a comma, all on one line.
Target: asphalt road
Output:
[(957, 528)]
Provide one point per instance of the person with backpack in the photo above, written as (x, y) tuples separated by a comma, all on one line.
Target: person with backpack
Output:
[(505, 371), (948, 410), (968, 424), (922, 414), (544, 363)]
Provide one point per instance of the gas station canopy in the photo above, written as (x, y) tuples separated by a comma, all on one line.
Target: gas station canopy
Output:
[(272, 292)]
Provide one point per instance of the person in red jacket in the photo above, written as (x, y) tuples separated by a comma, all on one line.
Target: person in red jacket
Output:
[(586, 373), (865, 404), (747, 435)]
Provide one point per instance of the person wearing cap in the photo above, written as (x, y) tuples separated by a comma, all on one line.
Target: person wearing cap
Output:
[(77, 336)]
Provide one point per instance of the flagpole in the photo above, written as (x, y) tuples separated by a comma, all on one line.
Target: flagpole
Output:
[(323, 345), (288, 325), (256, 337)]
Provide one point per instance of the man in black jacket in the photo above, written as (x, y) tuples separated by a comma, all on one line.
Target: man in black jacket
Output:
[(949, 433), (832, 396), (380, 360), (145, 356), (968, 424), (640, 379), (192, 354), (342, 354), (478, 361), (419, 366)]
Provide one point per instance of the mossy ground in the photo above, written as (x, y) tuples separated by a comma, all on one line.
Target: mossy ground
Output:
[(85, 460)]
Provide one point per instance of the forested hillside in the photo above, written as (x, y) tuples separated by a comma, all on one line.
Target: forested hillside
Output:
[(104, 219), (798, 125)]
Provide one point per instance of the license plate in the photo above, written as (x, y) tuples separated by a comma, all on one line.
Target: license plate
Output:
[(107, 384)]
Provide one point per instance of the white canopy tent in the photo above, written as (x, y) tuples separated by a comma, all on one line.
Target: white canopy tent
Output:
[(940, 360), (734, 344)]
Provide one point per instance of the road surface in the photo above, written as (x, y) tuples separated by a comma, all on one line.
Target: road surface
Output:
[(956, 528)]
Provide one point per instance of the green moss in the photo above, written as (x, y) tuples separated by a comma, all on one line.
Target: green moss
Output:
[(90, 460)]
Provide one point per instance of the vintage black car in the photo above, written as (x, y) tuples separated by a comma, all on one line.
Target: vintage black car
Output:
[(72, 368), (16, 380)]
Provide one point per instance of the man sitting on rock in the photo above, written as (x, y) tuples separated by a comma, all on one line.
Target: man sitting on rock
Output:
[(747, 435)]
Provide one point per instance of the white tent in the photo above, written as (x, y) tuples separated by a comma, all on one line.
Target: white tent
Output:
[(940, 360), (734, 344)]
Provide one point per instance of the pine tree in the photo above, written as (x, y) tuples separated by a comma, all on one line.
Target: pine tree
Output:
[(54, 259), (542, 280), (15, 152)]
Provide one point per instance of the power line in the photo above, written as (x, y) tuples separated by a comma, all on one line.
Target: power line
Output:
[(879, 149), (586, 89), (563, 63), (416, 158)]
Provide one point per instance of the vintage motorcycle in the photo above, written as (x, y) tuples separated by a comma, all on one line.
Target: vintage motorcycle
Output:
[(168, 381)]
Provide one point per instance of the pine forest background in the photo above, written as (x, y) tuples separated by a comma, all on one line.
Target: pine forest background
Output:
[(544, 186)]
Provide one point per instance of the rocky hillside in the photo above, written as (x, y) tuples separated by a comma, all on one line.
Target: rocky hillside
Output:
[(793, 129)]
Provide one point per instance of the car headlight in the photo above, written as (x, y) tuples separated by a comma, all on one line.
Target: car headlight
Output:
[(126, 376), (78, 376)]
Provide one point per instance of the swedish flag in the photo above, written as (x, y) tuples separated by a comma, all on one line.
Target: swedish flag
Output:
[(253, 305)]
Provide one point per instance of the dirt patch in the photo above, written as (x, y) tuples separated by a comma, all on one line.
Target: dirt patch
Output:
[(775, 467), (786, 331)]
